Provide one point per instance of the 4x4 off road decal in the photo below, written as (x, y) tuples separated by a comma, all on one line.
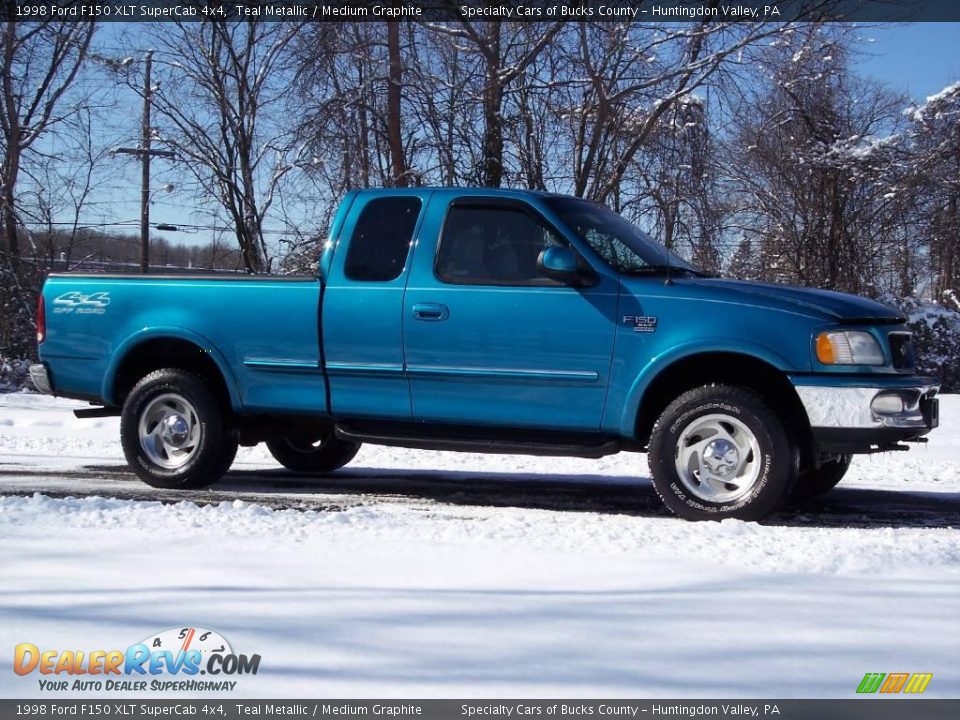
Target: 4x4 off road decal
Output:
[(76, 302)]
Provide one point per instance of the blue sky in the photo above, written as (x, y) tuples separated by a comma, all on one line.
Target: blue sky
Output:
[(918, 59)]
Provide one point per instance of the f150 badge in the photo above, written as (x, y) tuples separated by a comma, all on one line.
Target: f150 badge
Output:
[(76, 302), (641, 323)]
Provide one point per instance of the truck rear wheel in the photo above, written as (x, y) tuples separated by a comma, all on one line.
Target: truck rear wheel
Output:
[(817, 481), (720, 452), (313, 454), (174, 433)]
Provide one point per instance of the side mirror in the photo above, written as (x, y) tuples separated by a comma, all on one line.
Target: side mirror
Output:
[(562, 264)]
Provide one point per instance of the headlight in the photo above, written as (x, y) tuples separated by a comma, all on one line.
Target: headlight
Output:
[(848, 347)]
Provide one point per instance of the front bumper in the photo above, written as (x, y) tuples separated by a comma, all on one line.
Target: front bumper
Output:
[(861, 419), (40, 377)]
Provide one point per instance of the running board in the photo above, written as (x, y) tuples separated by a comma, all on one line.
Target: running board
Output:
[(97, 412), (565, 445)]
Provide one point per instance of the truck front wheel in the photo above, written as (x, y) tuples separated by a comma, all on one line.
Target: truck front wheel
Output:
[(720, 452), (313, 454), (174, 433)]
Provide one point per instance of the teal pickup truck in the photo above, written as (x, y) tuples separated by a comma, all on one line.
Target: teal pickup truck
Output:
[(491, 321)]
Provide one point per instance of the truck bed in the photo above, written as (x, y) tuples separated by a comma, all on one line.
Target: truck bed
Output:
[(261, 331)]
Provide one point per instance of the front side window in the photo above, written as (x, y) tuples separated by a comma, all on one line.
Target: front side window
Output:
[(381, 239), (490, 245), (624, 246)]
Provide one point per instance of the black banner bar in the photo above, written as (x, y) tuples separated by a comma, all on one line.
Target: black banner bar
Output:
[(646, 11)]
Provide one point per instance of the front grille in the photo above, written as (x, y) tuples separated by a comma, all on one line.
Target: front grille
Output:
[(901, 349)]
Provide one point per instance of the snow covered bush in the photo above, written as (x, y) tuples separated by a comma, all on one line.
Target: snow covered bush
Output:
[(13, 375), (936, 331), (18, 301)]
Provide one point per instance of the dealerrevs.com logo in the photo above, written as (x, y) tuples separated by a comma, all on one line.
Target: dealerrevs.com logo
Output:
[(169, 661)]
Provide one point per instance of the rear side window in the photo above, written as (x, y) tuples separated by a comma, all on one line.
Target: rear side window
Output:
[(381, 240)]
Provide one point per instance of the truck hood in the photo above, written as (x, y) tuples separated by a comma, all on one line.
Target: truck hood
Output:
[(836, 305)]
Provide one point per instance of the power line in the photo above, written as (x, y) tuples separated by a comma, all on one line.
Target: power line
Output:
[(135, 223)]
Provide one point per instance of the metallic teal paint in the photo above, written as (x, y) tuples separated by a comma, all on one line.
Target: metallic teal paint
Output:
[(545, 357)]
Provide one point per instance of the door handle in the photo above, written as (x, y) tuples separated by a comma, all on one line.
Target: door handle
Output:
[(431, 312)]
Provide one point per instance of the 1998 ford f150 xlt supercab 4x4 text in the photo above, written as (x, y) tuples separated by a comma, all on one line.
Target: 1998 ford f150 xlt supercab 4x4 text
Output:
[(491, 321)]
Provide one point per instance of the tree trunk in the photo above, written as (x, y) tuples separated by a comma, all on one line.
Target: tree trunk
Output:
[(951, 235), (364, 132), (11, 160), (9, 181), (492, 108), (394, 85), (833, 235)]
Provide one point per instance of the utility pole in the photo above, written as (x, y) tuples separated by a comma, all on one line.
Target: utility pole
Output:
[(145, 153)]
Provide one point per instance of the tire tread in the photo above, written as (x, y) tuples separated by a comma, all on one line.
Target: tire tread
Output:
[(220, 434), (756, 405)]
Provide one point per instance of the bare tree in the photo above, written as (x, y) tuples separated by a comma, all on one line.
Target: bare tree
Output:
[(60, 186), (624, 79), (219, 99), (816, 154), (934, 133), (39, 62), (677, 171), (443, 101), (506, 51), (350, 90), (394, 120)]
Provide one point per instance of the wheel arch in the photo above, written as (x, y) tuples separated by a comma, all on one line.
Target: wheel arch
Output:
[(762, 373), (157, 348)]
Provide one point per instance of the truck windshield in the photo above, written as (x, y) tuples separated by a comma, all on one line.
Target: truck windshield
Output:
[(625, 247)]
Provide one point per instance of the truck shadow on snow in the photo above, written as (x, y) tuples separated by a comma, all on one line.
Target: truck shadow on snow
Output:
[(605, 494)]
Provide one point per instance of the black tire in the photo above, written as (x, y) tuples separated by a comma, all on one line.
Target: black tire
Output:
[(771, 458), (214, 446), (313, 455), (817, 481)]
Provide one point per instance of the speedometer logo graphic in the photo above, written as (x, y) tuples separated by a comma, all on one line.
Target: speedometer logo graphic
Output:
[(184, 639)]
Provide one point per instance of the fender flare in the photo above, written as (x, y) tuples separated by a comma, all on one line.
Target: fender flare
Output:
[(131, 342), (652, 370)]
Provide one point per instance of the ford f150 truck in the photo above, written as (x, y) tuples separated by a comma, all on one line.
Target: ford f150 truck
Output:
[(491, 321)]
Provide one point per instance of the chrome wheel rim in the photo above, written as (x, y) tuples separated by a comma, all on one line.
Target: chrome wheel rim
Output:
[(169, 431), (718, 458)]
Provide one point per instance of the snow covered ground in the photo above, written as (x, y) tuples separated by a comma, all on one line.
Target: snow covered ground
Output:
[(403, 578)]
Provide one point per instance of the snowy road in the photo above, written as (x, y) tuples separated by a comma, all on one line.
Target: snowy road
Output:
[(855, 507), (437, 574)]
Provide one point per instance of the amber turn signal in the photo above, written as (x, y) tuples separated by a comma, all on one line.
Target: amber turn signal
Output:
[(825, 351)]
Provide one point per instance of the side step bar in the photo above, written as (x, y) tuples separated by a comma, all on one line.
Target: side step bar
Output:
[(572, 447), (96, 412)]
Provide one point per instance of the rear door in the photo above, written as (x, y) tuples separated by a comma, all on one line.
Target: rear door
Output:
[(363, 306), (488, 339)]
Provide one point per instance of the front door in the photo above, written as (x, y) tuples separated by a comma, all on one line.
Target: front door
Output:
[(488, 339)]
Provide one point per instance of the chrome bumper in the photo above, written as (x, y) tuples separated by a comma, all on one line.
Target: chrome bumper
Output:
[(868, 408), (41, 379)]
